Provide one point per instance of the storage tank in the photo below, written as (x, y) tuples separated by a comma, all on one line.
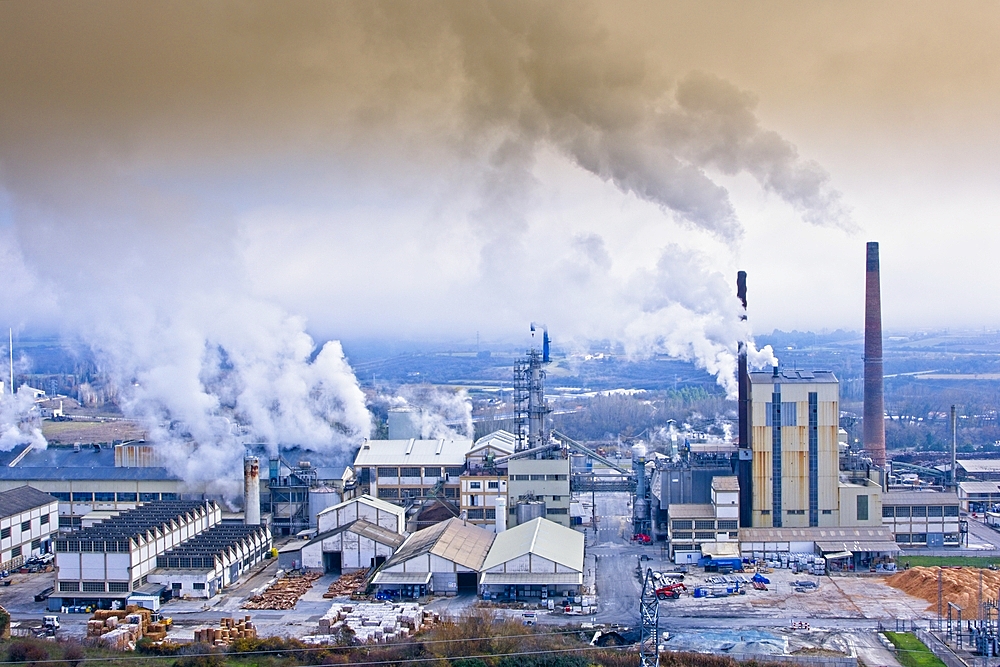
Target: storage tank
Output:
[(319, 499), (528, 510)]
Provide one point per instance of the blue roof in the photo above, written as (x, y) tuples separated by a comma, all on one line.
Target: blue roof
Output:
[(63, 463)]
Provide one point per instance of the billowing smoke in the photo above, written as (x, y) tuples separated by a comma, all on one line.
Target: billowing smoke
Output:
[(19, 421), (437, 412), (191, 210)]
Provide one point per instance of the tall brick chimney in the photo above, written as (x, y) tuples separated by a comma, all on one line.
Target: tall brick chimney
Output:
[(874, 412)]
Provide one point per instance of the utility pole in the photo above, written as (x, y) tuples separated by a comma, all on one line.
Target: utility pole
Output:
[(649, 617)]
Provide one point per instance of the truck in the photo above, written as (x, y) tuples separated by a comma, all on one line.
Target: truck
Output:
[(670, 591)]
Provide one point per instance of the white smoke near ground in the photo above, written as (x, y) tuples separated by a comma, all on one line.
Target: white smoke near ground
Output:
[(20, 423)]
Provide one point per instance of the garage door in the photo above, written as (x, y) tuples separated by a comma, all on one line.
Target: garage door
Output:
[(467, 582)]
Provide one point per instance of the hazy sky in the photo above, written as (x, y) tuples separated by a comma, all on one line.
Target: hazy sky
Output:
[(431, 170)]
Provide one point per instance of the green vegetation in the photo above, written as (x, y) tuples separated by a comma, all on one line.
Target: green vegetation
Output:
[(912, 652), (951, 561)]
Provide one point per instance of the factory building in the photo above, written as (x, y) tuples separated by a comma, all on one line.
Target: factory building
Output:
[(376, 512), (534, 560), (401, 471), (983, 470), (923, 519), (444, 559), (794, 424), (538, 488), (862, 548), (28, 517), (978, 496), (698, 529), (113, 558), (348, 547), (481, 489)]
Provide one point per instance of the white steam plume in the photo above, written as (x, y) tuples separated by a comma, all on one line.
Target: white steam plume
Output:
[(19, 421), (439, 412)]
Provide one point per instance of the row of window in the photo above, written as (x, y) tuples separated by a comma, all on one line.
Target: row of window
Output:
[(110, 497), (89, 546), (540, 478), (700, 535), (921, 538), (489, 485), (389, 493), (392, 471), (705, 524), (918, 511), (25, 526), (487, 514)]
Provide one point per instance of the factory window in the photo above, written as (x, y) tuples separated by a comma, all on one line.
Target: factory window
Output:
[(26, 526), (43, 520), (734, 534), (934, 510), (475, 485), (80, 497), (918, 511), (36, 545), (145, 579), (557, 510), (198, 587), (175, 585), (765, 512), (704, 536), (136, 584), (388, 472), (903, 538), (69, 586), (168, 496), (951, 538), (492, 485), (556, 478), (61, 496), (887, 511), (728, 524), (902, 511), (556, 499), (388, 493), (409, 472), (795, 512), (118, 587), (682, 536), (127, 497), (475, 514), (454, 471), (681, 524), (411, 493), (15, 552), (93, 587), (4, 533), (951, 510), (918, 538), (863, 508), (521, 478), (432, 472), (148, 497), (104, 497), (450, 493), (537, 478), (827, 511), (704, 524), (491, 514)]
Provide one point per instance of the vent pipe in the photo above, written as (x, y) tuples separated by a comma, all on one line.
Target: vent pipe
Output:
[(874, 410), (251, 491), (954, 445)]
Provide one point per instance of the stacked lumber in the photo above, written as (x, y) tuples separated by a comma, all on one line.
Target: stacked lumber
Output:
[(959, 585), (283, 593), (370, 622), (106, 621), (347, 584), (229, 630)]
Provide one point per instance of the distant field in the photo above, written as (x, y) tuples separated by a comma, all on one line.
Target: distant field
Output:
[(86, 432), (946, 561)]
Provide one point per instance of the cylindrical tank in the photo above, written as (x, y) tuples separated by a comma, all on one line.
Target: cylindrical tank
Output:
[(501, 514), (528, 510), (320, 499), (638, 452), (251, 491)]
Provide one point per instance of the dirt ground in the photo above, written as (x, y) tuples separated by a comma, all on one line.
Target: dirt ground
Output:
[(86, 432)]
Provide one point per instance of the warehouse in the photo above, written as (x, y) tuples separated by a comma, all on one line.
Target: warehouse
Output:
[(921, 519), (537, 559), (205, 564), (374, 511), (444, 559), (356, 545), (864, 547), (28, 517), (109, 560)]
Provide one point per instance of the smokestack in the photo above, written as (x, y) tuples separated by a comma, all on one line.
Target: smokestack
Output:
[(744, 471), (954, 444), (251, 491), (874, 412)]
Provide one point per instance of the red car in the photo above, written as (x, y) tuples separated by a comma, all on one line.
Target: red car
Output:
[(642, 538)]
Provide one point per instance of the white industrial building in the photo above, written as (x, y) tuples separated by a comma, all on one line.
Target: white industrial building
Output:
[(28, 517), (698, 529), (922, 519), (398, 470), (444, 559), (537, 559), (356, 545), (374, 511)]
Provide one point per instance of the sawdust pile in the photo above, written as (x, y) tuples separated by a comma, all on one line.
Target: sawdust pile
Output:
[(959, 585)]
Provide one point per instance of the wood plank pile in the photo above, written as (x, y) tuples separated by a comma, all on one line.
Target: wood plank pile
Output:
[(347, 584), (229, 629), (370, 622), (105, 621), (283, 593)]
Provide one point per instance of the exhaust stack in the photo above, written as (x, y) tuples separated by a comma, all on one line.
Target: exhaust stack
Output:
[(954, 445), (874, 411), (744, 470), (251, 491)]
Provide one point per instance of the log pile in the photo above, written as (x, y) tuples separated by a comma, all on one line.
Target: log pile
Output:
[(229, 630), (348, 584), (283, 593), (959, 585)]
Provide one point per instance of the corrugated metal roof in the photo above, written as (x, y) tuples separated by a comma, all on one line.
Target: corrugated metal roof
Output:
[(876, 546), (969, 488), (920, 498), (821, 534), (540, 537), (498, 440), (531, 578), (726, 483), (372, 501), (690, 511), (979, 465), (404, 578), (413, 452), (358, 527), (454, 540), (22, 499)]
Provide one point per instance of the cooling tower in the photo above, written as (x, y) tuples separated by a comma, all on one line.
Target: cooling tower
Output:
[(874, 412), (251, 491)]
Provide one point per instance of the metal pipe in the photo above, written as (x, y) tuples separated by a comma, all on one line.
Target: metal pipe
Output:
[(954, 444)]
